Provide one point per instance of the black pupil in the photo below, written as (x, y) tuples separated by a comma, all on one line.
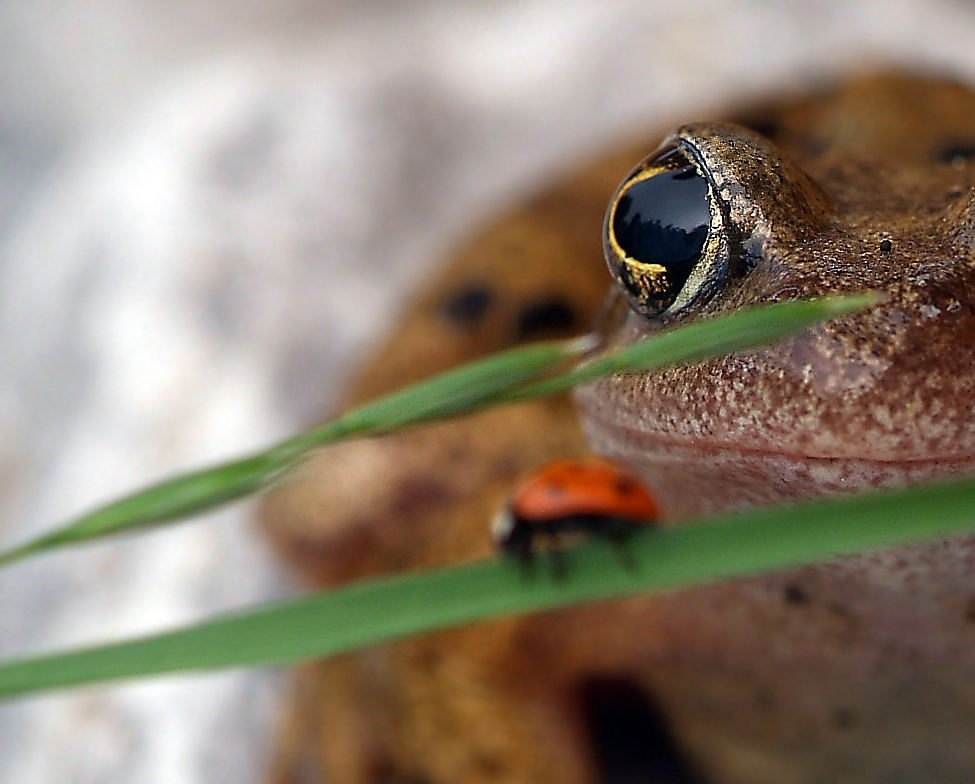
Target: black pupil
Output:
[(664, 218)]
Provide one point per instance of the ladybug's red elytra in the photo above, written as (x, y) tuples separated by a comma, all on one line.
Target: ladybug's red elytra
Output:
[(567, 500)]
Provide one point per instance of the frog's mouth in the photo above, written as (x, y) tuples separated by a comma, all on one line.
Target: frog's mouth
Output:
[(879, 399), (692, 476)]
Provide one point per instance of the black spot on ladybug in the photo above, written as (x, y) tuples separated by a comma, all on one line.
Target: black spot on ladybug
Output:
[(625, 485), (555, 490), (955, 153), (628, 735), (842, 718), (466, 306), (795, 595), (545, 315), (886, 246)]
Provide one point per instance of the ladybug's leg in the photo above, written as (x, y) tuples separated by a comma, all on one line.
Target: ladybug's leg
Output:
[(618, 531), (525, 558), (556, 559), (519, 545)]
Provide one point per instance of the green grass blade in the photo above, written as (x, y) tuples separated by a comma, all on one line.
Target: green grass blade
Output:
[(456, 391), (505, 377), (374, 611), (188, 494), (751, 328)]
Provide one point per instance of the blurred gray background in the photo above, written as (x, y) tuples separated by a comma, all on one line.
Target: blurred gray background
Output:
[(207, 209)]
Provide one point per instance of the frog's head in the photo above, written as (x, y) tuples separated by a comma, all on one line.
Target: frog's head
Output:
[(719, 218), (686, 218)]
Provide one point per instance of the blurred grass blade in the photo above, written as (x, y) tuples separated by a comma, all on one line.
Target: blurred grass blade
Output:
[(456, 391), (505, 377), (190, 493), (171, 499), (374, 611)]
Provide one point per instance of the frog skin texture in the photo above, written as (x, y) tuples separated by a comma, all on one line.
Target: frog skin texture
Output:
[(857, 670)]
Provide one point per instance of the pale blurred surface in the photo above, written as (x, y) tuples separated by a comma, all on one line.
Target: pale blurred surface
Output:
[(207, 210)]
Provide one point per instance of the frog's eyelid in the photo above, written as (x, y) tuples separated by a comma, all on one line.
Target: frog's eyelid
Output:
[(756, 199)]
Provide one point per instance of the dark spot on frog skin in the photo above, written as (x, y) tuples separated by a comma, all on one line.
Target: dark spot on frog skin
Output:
[(886, 246), (764, 699), (793, 594), (491, 766), (429, 659), (545, 315), (416, 493), (955, 153), (384, 772), (970, 610), (769, 127), (843, 718), (839, 610), (409, 780), (812, 146), (467, 306), (630, 742)]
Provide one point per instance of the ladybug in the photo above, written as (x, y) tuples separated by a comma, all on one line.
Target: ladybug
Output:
[(561, 503)]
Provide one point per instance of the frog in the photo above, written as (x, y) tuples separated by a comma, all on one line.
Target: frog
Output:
[(860, 669)]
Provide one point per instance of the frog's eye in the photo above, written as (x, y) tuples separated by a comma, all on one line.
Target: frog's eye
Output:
[(663, 234)]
